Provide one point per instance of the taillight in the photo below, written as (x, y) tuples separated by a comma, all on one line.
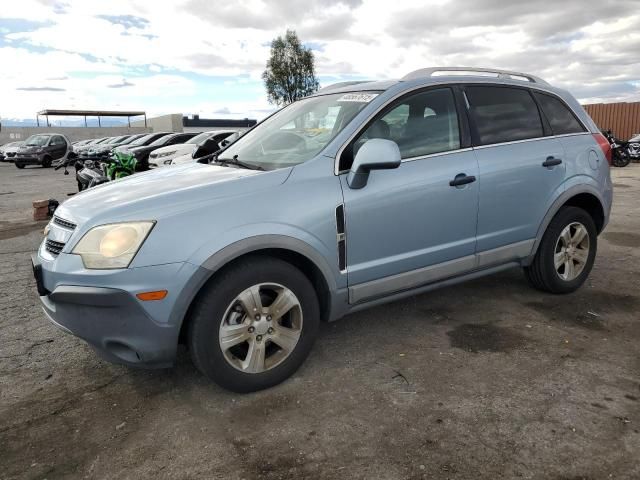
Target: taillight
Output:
[(604, 145)]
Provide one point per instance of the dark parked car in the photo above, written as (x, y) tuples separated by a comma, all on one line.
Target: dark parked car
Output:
[(142, 152), (106, 148), (42, 149), (142, 141)]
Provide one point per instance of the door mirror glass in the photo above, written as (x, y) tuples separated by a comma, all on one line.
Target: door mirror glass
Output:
[(375, 154)]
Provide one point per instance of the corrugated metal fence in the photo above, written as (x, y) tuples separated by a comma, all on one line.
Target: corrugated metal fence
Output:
[(622, 118)]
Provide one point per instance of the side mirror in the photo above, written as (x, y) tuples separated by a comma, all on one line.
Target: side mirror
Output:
[(375, 154)]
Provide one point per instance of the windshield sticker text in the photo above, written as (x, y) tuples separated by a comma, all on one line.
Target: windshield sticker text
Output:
[(358, 97)]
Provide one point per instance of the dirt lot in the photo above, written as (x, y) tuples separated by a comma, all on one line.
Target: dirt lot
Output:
[(486, 380)]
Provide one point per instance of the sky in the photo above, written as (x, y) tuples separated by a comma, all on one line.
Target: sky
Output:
[(206, 57)]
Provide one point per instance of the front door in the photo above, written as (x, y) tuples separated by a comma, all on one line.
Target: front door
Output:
[(57, 147), (410, 226)]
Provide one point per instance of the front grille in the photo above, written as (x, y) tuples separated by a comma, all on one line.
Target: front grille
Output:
[(53, 247), (10, 154), (64, 223)]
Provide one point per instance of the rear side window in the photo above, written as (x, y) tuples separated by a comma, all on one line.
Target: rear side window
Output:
[(561, 119), (504, 114)]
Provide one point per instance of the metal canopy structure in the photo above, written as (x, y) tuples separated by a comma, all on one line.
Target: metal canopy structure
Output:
[(90, 113)]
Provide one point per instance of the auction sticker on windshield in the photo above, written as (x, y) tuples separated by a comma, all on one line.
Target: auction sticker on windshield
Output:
[(358, 97)]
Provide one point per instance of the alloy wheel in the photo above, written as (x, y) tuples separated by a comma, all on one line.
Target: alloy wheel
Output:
[(572, 251), (261, 327)]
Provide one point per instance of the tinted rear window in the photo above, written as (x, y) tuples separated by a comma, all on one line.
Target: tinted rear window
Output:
[(561, 119), (503, 114)]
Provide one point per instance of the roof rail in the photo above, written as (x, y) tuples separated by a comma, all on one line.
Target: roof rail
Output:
[(335, 86), (428, 72)]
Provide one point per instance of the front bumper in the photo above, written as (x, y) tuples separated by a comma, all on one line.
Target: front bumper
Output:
[(101, 307), (28, 160)]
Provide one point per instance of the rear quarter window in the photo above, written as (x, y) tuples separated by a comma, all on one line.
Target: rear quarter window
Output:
[(561, 119), (503, 114)]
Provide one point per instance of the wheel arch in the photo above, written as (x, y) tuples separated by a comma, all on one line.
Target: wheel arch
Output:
[(589, 199), (289, 249)]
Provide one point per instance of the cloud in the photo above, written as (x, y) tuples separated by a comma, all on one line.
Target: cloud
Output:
[(203, 56), (224, 110), (41, 89), (125, 83), (127, 21)]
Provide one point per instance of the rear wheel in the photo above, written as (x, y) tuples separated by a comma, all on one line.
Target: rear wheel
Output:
[(621, 159), (254, 325), (566, 254)]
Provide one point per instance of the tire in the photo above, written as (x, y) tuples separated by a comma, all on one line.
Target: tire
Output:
[(621, 160), (543, 274), (218, 303), (19, 165), (46, 162)]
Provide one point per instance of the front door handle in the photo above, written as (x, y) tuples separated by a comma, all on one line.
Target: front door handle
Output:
[(462, 179), (551, 162)]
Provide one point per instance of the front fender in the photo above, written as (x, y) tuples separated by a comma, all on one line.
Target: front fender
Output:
[(238, 242)]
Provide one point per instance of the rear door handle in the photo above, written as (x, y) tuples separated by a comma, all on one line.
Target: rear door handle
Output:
[(462, 179), (551, 162)]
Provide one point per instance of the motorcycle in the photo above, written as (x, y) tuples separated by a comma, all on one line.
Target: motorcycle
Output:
[(619, 150), (634, 147), (90, 173)]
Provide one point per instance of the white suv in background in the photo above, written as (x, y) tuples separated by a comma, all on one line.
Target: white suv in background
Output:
[(166, 155)]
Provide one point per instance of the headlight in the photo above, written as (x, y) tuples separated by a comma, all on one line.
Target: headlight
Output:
[(113, 245), (166, 154), (167, 162)]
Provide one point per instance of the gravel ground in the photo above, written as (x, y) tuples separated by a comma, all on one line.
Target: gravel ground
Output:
[(486, 380)]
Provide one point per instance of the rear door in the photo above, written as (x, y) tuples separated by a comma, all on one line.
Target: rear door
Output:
[(522, 169)]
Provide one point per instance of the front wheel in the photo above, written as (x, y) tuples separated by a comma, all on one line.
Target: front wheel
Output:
[(46, 162), (566, 253), (19, 165), (254, 325)]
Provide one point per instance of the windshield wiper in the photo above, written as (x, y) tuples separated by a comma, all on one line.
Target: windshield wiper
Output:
[(235, 161)]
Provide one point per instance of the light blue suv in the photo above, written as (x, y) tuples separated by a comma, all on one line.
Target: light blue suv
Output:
[(363, 193)]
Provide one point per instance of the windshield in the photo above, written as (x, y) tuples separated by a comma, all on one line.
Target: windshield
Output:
[(142, 140), (198, 139), (298, 132), (130, 139), (160, 141), (37, 140)]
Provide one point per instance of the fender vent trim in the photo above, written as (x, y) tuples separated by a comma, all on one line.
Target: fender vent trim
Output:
[(341, 238)]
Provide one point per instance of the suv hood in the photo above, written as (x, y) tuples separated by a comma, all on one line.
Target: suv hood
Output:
[(164, 192), (29, 149)]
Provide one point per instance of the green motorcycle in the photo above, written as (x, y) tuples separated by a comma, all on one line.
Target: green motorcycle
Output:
[(121, 165), (90, 173)]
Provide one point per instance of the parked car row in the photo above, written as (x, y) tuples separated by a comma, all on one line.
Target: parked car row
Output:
[(151, 150)]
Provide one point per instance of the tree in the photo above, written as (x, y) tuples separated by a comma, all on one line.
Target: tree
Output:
[(290, 72)]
